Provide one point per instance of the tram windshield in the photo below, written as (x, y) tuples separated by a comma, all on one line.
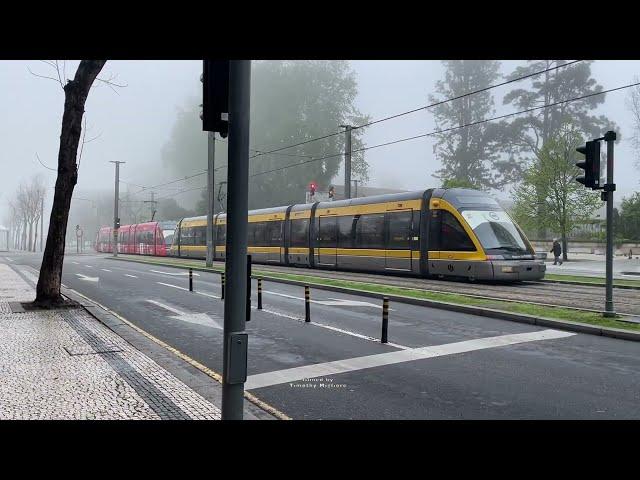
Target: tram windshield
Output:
[(496, 231)]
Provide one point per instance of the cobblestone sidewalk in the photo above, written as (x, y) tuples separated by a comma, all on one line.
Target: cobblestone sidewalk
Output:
[(65, 364)]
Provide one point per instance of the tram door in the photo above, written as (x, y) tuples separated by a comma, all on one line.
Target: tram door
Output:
[(399, 233), (327, 241)]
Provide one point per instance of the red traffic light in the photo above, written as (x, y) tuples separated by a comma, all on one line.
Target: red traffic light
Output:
[(312, 188)]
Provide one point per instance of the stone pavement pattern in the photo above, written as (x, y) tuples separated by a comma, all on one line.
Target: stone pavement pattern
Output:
[(65, 364)]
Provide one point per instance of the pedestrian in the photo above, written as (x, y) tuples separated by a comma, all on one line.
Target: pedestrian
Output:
[(557, 251)]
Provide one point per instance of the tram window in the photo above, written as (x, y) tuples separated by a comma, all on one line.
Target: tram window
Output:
[(370, 231), (453, 236), (200, 234), (186, 236), (400, 232), (274, 233), (327, 232), (300, 232), (345, 231), (221, 235), (434, 229)]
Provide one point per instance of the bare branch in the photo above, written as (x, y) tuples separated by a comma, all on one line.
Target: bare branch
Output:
[(84, 132), (59, 77), (110, 82), (94, 138), (42, 76), (38, 157)]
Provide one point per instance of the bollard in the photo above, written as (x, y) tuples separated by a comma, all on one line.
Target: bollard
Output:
[(248, 288), (307, 303), (222, 295), (190, 280), (259, 294), (385, 319)]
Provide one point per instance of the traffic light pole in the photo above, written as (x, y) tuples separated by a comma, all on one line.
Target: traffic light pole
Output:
[(609, 188), (210, 197), (235, 305), (347, 160)]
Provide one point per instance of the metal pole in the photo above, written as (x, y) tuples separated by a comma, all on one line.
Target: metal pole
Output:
[(115, 208), (259, 294), (41, 221), (385, 319), (610, 138), (190, 280), (210, 200), (222, 283), (248, 288), (347, 161), (307, 304), (236, 249)]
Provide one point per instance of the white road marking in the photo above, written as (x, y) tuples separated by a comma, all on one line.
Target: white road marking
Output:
[(197, 318), (88, 279), (132, 276), (174, 286), (75, 262), (208, 295), (180, 274), (336, 302), (370, 361), (105, 270), (9, 259), (89, 266)]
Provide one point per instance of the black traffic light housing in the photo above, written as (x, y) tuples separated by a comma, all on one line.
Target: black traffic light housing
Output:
[(312, 188), (590, 165), (215, 96), (117, 223), (332, 191)]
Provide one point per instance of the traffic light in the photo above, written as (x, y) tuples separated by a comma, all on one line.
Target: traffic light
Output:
[(590, 165), (117, 223), (332, 191), (312, 188), (215, 96)]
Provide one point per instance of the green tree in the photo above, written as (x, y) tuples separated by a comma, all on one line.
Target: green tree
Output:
[(633, 105), (291, 102), (470, 154), (525, 136), (458, 183), (630, 217), (168, 209), (566, 203)]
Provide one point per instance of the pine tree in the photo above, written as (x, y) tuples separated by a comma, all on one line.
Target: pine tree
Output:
[(469, 155)]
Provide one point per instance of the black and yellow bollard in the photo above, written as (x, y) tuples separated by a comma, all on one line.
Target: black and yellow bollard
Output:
[(385, 319), (248, 288), (222, 294), (190, 280), (307, 303), (259, 294)]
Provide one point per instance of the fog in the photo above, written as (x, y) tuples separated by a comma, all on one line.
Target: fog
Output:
[(132, 124)]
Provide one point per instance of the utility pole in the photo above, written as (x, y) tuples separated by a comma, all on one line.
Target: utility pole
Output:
[(153, 203), (220, 195), (235, 305), (210, 197), (116, 219), (347, 160), (609, 188)]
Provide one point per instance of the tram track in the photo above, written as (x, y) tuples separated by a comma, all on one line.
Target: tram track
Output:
[(582, 297)]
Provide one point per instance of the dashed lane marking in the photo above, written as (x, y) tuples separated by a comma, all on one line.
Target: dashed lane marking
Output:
[(105, 269), (169, 285), (180, 274), (89, 266), (11, 260), (381, 359), (76, 263), (132, 276)]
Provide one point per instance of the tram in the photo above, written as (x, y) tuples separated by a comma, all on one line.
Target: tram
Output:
[(150, 238), (436, 232)]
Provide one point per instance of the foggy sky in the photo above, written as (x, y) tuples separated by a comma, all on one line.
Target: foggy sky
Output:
[(134, 122)]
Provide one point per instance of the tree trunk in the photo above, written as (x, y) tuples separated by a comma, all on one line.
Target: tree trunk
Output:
[(30, 236), (75, 93), (564, 246), (24, 235), (35, 237)]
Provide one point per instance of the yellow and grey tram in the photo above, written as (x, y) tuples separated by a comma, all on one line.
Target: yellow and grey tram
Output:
[(436, 232)]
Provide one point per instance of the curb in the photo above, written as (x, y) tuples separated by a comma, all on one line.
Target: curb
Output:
[(574, 282), (454, 307), (111, 319)]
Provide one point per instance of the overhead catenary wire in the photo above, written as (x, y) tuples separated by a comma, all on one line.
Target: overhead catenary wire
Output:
[(438, 132), (424, 107)]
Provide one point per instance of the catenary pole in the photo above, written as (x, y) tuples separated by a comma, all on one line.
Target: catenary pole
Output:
[(210, 197), (347, 160), (115, 208), (609, 311)]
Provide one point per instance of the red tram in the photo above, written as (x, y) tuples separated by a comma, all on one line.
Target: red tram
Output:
[(151, 238)]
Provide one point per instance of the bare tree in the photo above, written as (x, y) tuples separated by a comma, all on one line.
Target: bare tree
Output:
[(75, 92)]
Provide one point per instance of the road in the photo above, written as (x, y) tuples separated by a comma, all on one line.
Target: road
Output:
[(438, 364)]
